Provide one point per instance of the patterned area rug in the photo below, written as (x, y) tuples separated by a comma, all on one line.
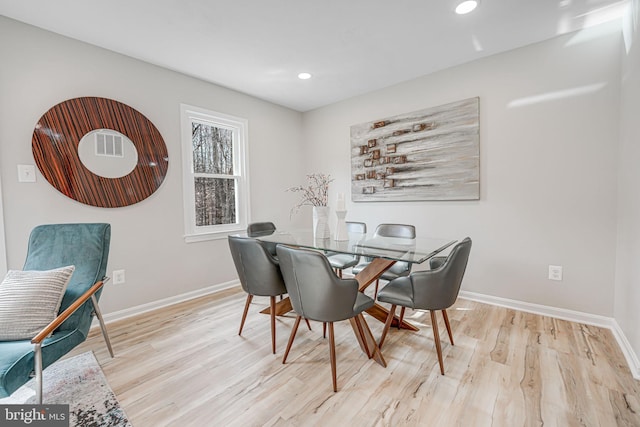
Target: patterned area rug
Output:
[(79, 382)]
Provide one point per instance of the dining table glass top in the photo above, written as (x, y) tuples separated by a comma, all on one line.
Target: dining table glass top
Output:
[(410, 250)]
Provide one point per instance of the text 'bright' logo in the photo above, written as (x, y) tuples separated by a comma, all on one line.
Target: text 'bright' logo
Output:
[(27, 416), (34, 415)]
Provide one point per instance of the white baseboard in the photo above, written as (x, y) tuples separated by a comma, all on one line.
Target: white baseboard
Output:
[(134, 311), (627, 350), (570, 315)]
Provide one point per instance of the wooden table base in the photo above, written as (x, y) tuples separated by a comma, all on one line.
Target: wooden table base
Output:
[(282, 307), (381, 313), (369, 275), (369, 346)]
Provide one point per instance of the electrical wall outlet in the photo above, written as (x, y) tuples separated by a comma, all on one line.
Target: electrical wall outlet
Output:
[(555, 272), (118, 277)]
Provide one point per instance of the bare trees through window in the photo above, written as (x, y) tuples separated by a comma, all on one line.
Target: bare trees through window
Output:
[(215, 184)]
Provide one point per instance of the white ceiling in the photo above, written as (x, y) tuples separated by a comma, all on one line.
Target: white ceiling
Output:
[(350, 46)]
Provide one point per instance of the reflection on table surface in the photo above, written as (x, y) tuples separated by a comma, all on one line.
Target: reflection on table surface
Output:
[(411, 250)]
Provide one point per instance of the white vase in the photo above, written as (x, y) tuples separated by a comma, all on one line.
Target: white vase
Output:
[(321, 222), (342, 233)]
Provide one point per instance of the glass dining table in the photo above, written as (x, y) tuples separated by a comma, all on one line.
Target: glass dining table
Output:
[(382, 252)]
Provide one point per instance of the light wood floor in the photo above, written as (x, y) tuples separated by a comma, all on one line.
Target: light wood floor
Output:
[(186, 366)]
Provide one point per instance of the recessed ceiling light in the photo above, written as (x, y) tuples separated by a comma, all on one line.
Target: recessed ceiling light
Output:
[(304, 76), (466, 7)]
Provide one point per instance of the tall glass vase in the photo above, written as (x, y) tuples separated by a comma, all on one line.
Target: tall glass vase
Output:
[(321, 222)]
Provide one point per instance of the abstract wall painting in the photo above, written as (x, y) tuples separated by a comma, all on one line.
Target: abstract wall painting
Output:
[(431, 154)]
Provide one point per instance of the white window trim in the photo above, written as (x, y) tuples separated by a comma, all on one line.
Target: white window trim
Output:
[(240, 126)]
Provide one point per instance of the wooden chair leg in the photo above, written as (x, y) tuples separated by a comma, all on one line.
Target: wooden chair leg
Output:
[(332, 352), (291, 337), (375, 292), (401, 318), (448, 325), (272, 301), (436, 338), (308, 324), (387, 324), (324, 329), (339, 273), (246, 310)]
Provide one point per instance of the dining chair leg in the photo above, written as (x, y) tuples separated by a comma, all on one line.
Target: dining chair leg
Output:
[(308, 324), (246, 310), (448, 325), (387, 324), (291, 337), (339, 271), (375, 292), (436, 338), (324, 329), (272, 301), (401, 318), (332, 351)]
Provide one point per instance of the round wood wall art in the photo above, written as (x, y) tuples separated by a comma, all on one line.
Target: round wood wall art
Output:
[(55, 148)]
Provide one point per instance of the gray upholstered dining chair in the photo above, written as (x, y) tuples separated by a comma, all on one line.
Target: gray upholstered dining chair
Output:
[(435, 289), (400, 268), (257, 229), (317, 293), (260, 228), (340, 261), (259, 275)]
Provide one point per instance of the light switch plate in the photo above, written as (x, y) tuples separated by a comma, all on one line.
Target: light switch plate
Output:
[(118, 277), (26, 173)]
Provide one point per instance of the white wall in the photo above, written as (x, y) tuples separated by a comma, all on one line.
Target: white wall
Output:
[(627, 290), (548, 143), (3, 254), (549, 132), (40, 69)]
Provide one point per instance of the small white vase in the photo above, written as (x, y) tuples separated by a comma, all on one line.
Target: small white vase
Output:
[(321, 222), (342, 233)]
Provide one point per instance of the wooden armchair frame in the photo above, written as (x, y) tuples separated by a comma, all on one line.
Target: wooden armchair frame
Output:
[(48, 330)]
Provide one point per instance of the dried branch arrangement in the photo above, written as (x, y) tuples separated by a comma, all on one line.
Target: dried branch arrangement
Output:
[(314, 193)]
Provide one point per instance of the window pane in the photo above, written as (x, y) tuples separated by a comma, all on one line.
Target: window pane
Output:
[(215, 201), (212, 149)]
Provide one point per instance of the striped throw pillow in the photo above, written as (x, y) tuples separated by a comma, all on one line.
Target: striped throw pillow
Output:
[(30, 300)]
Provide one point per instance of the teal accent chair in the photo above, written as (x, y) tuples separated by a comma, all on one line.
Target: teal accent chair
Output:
[(52, 246)]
